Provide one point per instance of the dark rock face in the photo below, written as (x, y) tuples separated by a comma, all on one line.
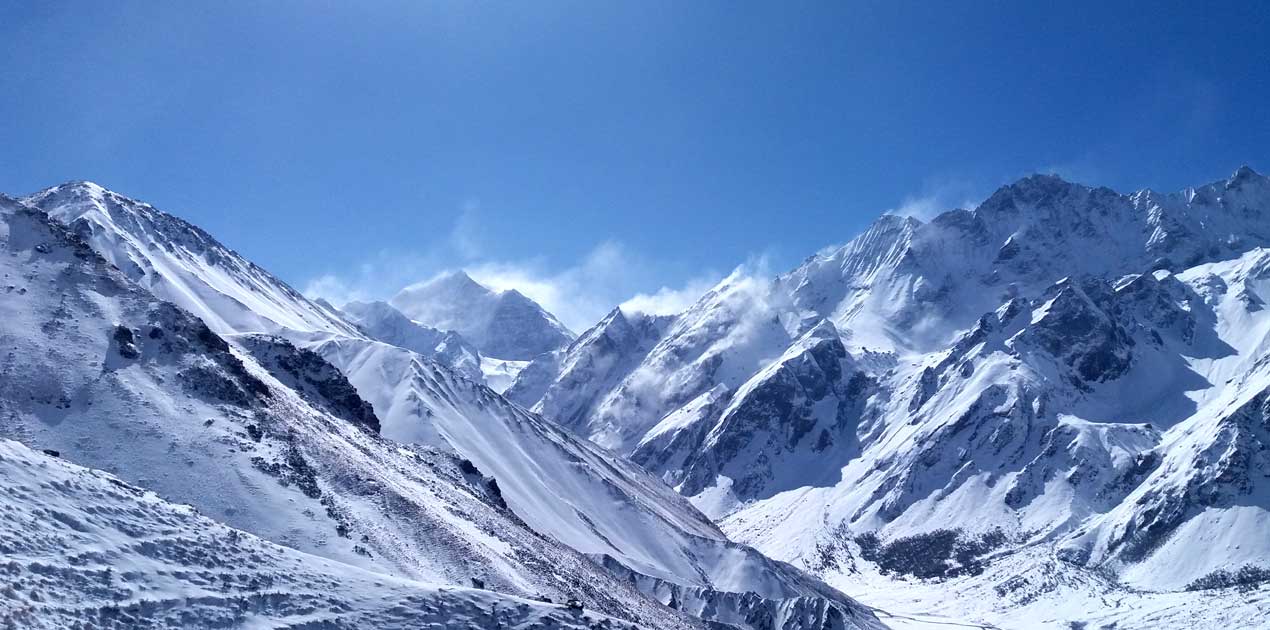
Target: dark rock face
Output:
[(209, 369), (781, 413), (1247, 578), (1079, 329), (316, 379), (473, 475), (1155, 302), (126, 343), (926, 386)]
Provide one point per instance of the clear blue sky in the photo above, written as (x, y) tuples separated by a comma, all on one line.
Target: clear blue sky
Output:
[(666, 140)]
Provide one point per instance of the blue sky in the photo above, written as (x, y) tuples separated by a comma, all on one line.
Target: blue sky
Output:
[(589, 151)]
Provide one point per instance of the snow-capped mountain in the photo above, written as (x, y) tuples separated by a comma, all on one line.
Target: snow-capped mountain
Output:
[(1063, 368), (269, 406), (1013, 415), (502, 324), (256, 433)]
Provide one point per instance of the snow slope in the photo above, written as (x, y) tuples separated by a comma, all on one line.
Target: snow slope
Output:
[(504, 324), (573, 490), (82, 546)]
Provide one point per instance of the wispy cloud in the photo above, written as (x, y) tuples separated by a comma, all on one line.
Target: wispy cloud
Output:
[(385, 272), (466, 236), (381, 275), (578, 293), (924, 208), (333, 289), (1080, 171), (669, 301), (938, 195)]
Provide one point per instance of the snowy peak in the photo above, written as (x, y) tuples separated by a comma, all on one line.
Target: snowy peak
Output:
[(1241, 175), (442, 300), (615, 326), (503, 325), (288, 433), (183, 264), (1040, 193), (561, 385), (883, 244), (910, 286), (618, 331), (1239, 193), (457, 283)]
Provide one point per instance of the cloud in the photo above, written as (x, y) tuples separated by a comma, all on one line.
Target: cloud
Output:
[(465, 235), (578, 293), (582, 293), (924, 208), (378, 277), (748, 314), (668, 301), (333, 289), (938, 195), (1080, 171)]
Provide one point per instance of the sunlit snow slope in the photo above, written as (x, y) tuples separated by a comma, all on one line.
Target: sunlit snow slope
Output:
[(83, 547)]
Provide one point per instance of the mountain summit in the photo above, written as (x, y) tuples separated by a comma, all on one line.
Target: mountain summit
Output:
[(501, 324)]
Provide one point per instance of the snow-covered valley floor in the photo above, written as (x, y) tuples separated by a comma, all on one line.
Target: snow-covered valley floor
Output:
[(1030, 591)]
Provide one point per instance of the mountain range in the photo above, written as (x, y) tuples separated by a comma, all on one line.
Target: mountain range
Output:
[(1032, 413), (139, 346), (1063, 381)]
